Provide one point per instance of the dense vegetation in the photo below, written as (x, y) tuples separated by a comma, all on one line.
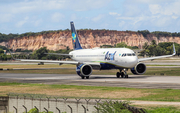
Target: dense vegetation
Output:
[(38, 54), (159, 33), (7, 37), (119, 45), (164, 48), (153, 49)]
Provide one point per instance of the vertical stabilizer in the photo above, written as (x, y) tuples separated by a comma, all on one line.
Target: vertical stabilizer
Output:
[(75, 40)]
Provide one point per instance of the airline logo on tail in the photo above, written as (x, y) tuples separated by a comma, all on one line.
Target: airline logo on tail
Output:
[(74, 37), (75, 40)]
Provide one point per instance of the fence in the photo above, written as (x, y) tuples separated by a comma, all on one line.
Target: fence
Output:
[(19, 103)]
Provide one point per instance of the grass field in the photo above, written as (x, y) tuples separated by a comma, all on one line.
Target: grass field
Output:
[(92, 91), (150, 71), (168, 95)]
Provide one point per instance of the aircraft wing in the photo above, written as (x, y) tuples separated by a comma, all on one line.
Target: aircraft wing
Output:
[(157, 57), (61, 62), (58, 54)]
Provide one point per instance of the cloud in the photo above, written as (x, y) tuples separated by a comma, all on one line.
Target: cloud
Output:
[(44, 5), (99, 17), (32, 6), (122, 23), (37, 22), (5, 18), (155, 8), (114, 14), (85, 5), (56, 17), (22, 22), (35, 15), (149, 1), (73, 17)]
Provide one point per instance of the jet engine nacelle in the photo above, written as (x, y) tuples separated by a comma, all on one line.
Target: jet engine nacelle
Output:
[(139, 69), (84, 70)]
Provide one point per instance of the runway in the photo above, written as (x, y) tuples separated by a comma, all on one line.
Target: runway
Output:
[(134, 81)]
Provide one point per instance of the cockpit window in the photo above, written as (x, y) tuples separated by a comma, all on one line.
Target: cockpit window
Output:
[(123, 55)]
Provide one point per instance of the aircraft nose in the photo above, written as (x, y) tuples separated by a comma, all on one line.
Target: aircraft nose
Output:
[(133, 61)]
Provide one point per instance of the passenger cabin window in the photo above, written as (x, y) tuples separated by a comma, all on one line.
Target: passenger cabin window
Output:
[(128, 54)]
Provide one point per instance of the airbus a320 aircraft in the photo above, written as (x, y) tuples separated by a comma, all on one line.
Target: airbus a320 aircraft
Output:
[(103, 59)]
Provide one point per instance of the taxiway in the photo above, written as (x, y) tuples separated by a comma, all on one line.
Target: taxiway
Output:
[(134, 81)]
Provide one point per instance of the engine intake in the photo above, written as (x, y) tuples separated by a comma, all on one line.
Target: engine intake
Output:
[(84, 70), (139, 69)]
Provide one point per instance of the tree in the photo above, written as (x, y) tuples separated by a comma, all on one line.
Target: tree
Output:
[(122, 44), (144, 33), (40, 53), (1, 51)]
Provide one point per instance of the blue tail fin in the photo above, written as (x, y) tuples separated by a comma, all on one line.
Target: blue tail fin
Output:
[(75, 40)]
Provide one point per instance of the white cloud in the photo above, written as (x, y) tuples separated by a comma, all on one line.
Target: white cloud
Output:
[(84, 5), (155, 8), (37, 22), (43, 5), (6, 18), (148, 1), (32, 6), (56, 17), (99, 17), (122, 23), (174, 17), (22, 22), (114, 14), (73, 17), (125, 18)]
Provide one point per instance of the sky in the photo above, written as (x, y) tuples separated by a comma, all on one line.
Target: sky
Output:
[(21, 16)]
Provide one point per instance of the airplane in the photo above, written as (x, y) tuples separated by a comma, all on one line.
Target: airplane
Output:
[(102, 59)]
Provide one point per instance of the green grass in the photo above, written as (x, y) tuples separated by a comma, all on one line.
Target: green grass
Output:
[(163, 71), (172, 95), (149, 71), (169, 109)]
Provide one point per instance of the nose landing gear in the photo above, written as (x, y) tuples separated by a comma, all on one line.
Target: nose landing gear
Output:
[(122, 74)]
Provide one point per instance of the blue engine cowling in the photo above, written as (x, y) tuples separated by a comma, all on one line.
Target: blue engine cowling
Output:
[(84, 70), (139, 69)]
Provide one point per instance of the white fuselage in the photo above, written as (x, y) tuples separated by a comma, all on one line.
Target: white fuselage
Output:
[(121, 57)]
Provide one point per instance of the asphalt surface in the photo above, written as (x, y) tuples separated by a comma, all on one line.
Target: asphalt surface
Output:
[(134, 81)]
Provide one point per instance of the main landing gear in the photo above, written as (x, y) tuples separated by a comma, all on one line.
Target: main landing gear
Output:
[(122, 74)]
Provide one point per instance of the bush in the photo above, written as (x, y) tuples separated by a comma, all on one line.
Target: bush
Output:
[(112, 107)]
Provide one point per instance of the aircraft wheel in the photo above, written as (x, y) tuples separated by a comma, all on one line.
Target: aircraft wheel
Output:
[(117, 74), (122, 75), (126, 76), (82, 77), (87, 77)]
